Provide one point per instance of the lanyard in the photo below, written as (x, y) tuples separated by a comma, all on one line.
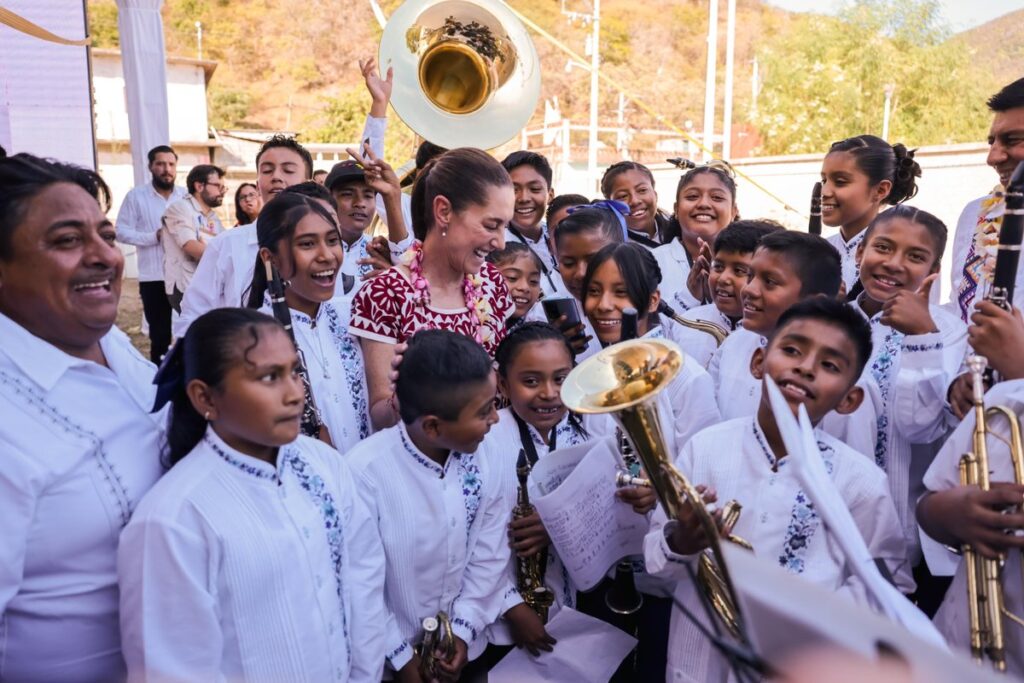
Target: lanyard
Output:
[(527, 439), (543, 266)]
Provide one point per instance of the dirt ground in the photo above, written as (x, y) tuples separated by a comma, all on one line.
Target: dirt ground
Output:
[(129, 315)]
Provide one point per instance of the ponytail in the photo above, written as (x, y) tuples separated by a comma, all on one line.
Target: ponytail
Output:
[(879, 161), (256, 292), (213, 344), (463, 176)]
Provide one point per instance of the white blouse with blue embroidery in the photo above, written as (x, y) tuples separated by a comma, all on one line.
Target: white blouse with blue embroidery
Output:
[(675, 269), (909, 376), (79, 449), (334, 361), (444, 537), (234, 569), (778, 520)]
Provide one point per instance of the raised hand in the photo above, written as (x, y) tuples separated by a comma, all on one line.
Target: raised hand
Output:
[(697, 280), (908, 312), (379, 88), (688, 536), (379, 174)]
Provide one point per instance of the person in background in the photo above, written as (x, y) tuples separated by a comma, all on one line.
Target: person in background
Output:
[(319, 176), (80, 447), (138, 224), (247, 204), (187, 226)]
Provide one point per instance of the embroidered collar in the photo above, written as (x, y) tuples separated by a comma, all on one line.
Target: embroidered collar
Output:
[(762, 441), (655, 332), (422, 459), (359, 243), (873, 319), (251, 466), (853, 243)]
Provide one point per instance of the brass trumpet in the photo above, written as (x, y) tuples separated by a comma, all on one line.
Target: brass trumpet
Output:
[(985, 604), (623, 381), (438, 644)]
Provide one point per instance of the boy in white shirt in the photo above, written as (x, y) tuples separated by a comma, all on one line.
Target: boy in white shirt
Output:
[(437, 502), (815, 356)]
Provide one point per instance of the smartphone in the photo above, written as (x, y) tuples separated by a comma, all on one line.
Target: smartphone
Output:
[(556, 307)]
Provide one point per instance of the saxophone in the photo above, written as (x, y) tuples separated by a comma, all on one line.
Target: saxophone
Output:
[(530, 570), (438, 644), (717, 331)]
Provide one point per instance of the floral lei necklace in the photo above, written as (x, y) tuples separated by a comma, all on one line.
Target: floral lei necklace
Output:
[(479, 308)]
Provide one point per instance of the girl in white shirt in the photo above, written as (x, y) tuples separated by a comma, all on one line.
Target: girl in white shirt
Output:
[(253, 558), (918, 346), (299, 237), (858, 176), (437, 501), (705, 204), (533, 362), (622, 276), (521, 269)]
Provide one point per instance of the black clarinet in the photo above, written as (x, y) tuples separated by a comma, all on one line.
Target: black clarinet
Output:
[(1004, 277), (312, 424), (814, 224)]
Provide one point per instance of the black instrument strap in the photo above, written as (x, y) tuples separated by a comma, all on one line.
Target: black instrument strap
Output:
[(527, 439), (643, 239), (543, 266)]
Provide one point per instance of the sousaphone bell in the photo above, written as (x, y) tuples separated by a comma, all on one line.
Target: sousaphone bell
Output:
[(466, 72)]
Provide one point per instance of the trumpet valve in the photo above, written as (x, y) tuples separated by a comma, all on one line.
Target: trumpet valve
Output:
[(624, 479)]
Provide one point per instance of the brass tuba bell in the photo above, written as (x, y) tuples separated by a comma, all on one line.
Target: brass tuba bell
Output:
[(466, 71), (623, 380)]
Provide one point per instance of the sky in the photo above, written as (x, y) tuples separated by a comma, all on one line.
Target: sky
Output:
[(961, 14)]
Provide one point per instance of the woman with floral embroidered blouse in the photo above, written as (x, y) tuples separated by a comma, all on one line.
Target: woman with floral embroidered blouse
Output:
[(461, 204)]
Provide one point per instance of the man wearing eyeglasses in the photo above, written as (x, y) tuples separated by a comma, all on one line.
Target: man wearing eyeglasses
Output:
[(187, 226)]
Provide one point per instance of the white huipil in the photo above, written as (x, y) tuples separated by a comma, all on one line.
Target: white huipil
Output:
[(444, 535), (848, 256), (952, 619), (80, 448), (675, 269), (739, 392), (236, 569), (506, 435), (910, 375), (778, 520), (334, 362)]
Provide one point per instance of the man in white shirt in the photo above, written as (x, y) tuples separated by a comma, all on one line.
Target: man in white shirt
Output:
[(187, 226), (977, 230), (138, 222)]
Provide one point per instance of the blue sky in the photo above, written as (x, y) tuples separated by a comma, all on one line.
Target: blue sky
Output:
[(961, 14)]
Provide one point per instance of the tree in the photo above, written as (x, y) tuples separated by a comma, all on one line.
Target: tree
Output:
[(825, 80)]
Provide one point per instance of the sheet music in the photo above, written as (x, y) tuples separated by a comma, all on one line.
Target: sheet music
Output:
[(589, 527), (588, 649)]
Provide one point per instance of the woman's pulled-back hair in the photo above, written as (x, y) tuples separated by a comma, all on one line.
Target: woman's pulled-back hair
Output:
[(215, 342), (23, 176), (277, 222), (585, 219), (463, 176), (719, 173), (881, 161), (933, 224)]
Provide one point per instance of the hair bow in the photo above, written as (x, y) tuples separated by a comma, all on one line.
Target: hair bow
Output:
[(619, 209), (170, 377)]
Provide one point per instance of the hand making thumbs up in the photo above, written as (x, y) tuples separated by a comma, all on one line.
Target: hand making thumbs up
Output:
[(907, 311)]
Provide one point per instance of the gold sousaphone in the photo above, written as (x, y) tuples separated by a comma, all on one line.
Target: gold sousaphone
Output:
[(623, 380), (466, 72)]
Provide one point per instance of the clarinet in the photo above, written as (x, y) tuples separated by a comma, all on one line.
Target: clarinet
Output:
[(312, 424), (1004, 277), (814, 224)]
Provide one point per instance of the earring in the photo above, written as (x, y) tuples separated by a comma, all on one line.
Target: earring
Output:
[(206, 416), (444, 230)]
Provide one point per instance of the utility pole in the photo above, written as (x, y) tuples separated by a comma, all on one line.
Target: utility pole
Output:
[(889, 88), (730, 49), (594, 18), (709, 80), (199, 39)]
